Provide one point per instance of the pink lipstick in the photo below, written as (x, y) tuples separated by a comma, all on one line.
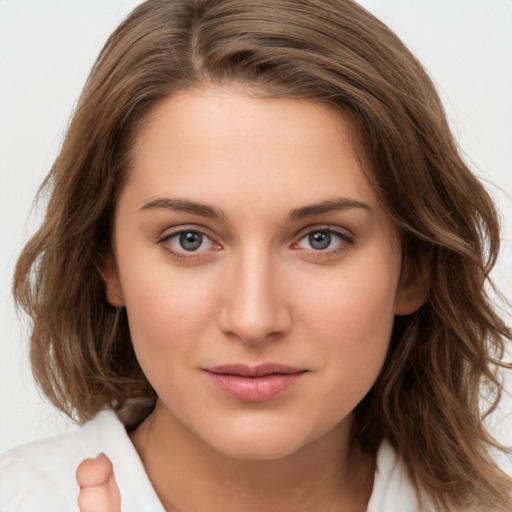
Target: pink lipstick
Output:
[(254, 383)]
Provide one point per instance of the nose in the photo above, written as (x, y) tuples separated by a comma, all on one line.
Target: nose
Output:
[(255, 304)]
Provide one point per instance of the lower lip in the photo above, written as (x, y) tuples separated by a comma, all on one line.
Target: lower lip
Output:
[(255, 389)]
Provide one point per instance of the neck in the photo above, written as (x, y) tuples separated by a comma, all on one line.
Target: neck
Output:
[(188, 474)]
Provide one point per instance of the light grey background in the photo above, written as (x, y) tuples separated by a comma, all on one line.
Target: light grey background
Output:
[(47, 49)]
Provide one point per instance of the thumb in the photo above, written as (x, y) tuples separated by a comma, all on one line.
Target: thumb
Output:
[(114, 494), (99, 491)]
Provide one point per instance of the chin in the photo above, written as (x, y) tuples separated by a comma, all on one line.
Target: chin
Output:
[(254, 439), (261, 448)]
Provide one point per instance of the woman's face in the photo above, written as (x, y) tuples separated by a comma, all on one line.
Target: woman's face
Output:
[(259, 271)]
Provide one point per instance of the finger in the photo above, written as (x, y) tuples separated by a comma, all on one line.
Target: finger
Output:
[(95, 499), (114, 494), (101, 498), (94, 472)]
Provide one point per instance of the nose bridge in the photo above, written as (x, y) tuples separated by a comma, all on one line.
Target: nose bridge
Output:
[(253, 307)]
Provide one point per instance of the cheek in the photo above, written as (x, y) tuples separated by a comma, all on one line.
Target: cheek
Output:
[(356, 330), (167, 314), (352, 323), (359, 303)]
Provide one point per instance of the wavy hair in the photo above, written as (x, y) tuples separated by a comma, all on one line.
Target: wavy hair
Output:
[(426, 401)]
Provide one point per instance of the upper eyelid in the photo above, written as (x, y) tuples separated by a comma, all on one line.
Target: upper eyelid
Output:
[(342, 231), (342, 236), (171, 232)]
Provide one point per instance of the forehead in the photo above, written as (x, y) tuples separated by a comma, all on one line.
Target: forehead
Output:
[(220, 144)]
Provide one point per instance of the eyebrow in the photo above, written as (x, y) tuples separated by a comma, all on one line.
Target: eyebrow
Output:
[(203, 210), (183, 205), (329, 206)]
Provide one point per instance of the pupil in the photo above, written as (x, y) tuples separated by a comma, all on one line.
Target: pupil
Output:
[(191, 241), (320, 240)]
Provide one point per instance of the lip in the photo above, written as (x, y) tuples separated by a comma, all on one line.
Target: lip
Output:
[(254, 383)]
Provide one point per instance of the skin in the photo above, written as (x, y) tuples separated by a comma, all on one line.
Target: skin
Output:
[(98, 489), (258, 289)]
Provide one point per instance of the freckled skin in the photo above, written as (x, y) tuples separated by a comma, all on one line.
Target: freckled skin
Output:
[(252, 284)]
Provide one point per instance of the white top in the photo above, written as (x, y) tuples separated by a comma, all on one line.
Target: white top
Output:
[(40, 476)]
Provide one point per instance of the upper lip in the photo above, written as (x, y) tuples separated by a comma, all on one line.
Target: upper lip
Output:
[(253, 371)]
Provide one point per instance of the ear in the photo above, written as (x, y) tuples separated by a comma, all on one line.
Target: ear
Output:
[(110, 274), (413, 287)]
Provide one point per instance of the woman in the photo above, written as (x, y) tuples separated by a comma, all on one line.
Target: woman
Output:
[(265, 254)]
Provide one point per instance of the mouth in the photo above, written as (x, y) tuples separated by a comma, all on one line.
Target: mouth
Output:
[(254, 383)]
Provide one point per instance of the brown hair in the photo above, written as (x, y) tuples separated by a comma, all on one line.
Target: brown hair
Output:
[(426, 400)]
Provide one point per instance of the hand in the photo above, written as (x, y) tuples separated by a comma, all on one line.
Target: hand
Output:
[(98, 489)]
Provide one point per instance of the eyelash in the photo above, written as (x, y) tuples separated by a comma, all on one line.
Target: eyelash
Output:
[(183, 254), (346, 241)]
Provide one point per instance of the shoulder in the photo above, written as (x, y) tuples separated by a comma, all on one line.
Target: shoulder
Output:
[(40, 476), (394, 490)]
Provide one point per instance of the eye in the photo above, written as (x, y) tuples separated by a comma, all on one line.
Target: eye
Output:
[(190, 240), (319, 240), (187, 241), (326, 240)]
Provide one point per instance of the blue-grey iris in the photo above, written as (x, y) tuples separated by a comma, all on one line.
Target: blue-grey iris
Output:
[(191, 240), (320, 240)]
